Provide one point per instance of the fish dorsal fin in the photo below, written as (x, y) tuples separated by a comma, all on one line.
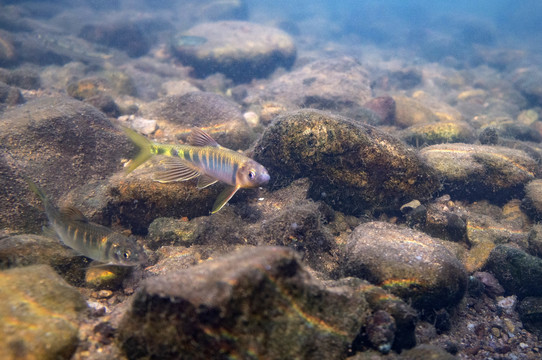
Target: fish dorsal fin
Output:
[(199, 137), (72, 214), (204, 181), (224, 197), (177, 170)]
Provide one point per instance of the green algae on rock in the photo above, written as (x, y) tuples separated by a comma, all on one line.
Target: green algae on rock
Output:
[(480, 172), (39, 314), (257, 302), (438, 133), (408, 263), (238, 49), (517, 271), (353, 167)]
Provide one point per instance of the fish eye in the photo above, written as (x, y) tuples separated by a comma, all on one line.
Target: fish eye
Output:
[(251, 174), (127, 254)]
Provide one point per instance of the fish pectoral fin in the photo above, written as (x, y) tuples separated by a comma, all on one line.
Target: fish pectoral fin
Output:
[(70, 213), (224, 197), (199, 137), (49, 232), (178, 171), (204, 181)]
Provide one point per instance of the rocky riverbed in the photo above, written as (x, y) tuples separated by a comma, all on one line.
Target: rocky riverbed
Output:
[(399, 222)]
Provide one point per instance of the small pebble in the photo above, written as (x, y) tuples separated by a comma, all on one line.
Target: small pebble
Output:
[(507, 304), (104, 294)]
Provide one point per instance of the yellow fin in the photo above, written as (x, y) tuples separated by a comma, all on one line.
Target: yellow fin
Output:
[(144, 145), (224, 197)]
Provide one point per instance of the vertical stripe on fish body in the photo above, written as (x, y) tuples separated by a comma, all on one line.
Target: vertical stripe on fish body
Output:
[(204, 159)]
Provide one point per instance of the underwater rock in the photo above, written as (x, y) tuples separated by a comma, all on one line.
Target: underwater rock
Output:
[(25, 250), (407, 263), (105, 103), (240, 50), (381, 331), (480, 171), (353, 167), (59, 143), (532, 203), (106, 277), (426, 351), (535, 240), (39, 313), (384, 107), (409, 112), (530, 312), (340, 85), (220, 307), (124, 36), (438, 133), (518, 272), (445, 220), (10, 95), (220, 117), (282, 218), (24, 78), (529, 83)]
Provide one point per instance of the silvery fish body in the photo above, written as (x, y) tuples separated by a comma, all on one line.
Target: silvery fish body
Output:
[(204, 159), (91, 240)]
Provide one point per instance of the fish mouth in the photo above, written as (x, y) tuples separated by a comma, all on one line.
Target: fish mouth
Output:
[(264, 178)]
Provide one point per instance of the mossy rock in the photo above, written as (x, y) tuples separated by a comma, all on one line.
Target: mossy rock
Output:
[(353, 167)]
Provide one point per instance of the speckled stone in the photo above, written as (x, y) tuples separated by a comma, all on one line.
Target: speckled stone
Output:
[(38, 314), (238, 49), (328, 149), (408, 263), (480, 171), (257, 302)]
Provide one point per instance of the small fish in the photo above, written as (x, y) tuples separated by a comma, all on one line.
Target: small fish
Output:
[(91, 240), (203, 159)]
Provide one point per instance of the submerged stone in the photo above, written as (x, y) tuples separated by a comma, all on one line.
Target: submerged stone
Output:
[(238, 49), (438, 133), (518, 272), (479, 171), (257, 302), (38, 314), (60, 143), (341, 85), (217, 115), (408, 263), (353, 167)]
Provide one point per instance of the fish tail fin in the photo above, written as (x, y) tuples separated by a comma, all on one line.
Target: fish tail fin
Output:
[(144, 145)]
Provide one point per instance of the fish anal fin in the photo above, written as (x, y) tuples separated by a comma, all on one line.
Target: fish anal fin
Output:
[(224, 197), (204, 181), (72, 214), (177, 170), (199, 137)]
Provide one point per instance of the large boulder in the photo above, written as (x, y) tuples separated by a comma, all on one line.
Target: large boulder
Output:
[(353, 167)]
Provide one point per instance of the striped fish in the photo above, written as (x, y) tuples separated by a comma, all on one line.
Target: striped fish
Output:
[(91, 240), (204, 159)]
